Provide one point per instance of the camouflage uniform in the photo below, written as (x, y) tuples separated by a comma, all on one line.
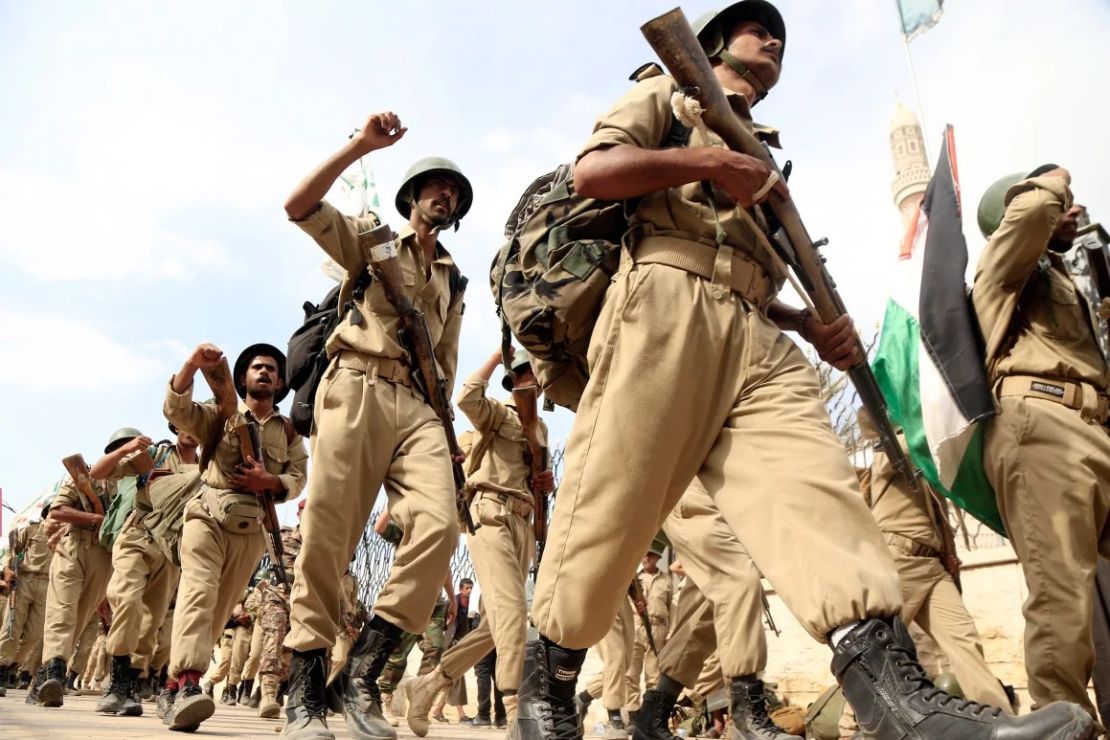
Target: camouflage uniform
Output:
[(275, 613), (431, 645)]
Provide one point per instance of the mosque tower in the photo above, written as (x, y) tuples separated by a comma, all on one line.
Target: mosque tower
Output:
[(911, 167)]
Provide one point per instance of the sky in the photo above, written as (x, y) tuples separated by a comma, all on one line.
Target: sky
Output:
[(146, 149)]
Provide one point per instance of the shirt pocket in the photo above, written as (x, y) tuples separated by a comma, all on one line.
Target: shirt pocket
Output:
[(277, 455), (1061, 315)]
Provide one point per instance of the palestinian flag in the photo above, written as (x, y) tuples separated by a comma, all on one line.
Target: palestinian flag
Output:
[(930, 363)]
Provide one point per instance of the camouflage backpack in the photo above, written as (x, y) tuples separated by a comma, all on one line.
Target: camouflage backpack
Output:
[(549, 278)]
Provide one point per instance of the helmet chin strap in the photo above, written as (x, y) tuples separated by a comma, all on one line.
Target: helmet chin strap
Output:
[(744, 71), (439, 223)]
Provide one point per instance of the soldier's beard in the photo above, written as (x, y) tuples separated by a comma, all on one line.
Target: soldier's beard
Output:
[(260, 394)]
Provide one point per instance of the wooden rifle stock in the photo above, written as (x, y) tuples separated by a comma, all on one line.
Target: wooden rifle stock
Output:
[(674, 41), (380, 249), (14, 583), (527, 400), (250, 444), (639, 603), (79, 471)]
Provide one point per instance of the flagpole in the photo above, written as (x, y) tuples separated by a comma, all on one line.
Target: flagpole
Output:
[(917, 97)]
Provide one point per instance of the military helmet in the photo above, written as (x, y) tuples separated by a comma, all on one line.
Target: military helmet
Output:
[(120, 437), (256, 350), (425, 167), (947, 683), (658, 545), (520, 361), (710, 27), (992, 206)]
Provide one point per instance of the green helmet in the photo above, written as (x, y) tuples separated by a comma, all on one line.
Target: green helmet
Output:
[(710, 27), (406, 194), (992, 206), (658, 544), (520, 361), (121, 437), (947, 683)]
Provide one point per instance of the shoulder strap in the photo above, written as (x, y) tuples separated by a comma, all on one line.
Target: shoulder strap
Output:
[(290, 431)]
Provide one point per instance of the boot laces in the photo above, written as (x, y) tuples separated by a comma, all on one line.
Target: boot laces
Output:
[(913, 672), (313, 693)]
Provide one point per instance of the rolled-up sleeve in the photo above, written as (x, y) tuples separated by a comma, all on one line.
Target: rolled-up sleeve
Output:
[(641, 118), (484, 412), (296, 470), (194, 418), (337, 234)]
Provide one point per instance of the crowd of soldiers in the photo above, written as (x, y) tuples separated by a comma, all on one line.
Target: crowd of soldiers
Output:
[(702, 427)]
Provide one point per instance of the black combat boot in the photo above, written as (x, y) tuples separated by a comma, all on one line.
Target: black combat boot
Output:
[(633, 715), (36, 684), (355, 690), (5, 675), (227, 698), (653, 720), (876, 665), (53, 689), (71, 683), (748, 707), (132, 704), (306, 706), (244, 692), (25, 678), (256, 695), (545, 708), (113, 698), (191, 705)]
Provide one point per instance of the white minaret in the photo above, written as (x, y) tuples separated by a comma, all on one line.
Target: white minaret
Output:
[(911, 167)]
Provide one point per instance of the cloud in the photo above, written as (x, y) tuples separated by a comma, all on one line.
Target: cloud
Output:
[(51, 352)]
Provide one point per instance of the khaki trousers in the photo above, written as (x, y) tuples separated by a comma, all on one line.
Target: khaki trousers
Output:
[(717, 561), (27, 621), (83, 648), (371, 432), (693, 639), (711, 677), (79, 575), (254, 655), (142, 585), (96, 665), (163, 639), (611, 685), (501, 549), (705, 386), (220, 665), (1051, 475), (643, 663), (240, 651), (216, 566)]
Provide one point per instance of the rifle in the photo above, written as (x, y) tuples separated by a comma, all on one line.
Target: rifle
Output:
[(79, 471), (13, 584), (250, 443), (674, 41), (526, 399), (639, 603), (380, 249)]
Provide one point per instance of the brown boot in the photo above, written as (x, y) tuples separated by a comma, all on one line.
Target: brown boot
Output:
[(269, 708), (421, 693)]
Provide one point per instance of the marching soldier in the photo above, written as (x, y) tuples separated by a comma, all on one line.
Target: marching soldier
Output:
[(79, 574), (273, 667), (1047, 453), (611, 683), (373, 426), (690, 360), (656, 588), (143, 579), (222, 540), (252, 605), (30, 596), (502, 548), (352, 616)]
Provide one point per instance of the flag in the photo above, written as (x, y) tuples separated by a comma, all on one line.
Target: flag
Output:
[(930, 362), (918, 16), (359, 191)]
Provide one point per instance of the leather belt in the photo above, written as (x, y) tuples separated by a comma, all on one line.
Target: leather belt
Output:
[(515, 504), (1082, 397), (386, 368), (910, 547), (747, 277)]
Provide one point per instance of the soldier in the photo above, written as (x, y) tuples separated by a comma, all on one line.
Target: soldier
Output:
[(273, 668), (143, 578), (80, 573), (367, 396), (222, 540), (30, 596), (656, 587), (502, 548), (611, 683), (690, 360), (1047, 453), (352, 616), (234, 648), (253, 606)]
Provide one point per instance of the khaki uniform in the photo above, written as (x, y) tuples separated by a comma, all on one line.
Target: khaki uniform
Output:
[(611, 685), (97, 666), (707, 385), (30, 594), (351, 618), (216, 562), (275, 613), (164, 637), (1047, 453), (85, 644), (656, 588), (79, 575), (143, 580), (693, 639), (374, 428), (504, 544), (220, 666)]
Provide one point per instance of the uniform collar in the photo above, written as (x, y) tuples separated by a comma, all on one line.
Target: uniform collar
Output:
[(408, 234), (244, 409)]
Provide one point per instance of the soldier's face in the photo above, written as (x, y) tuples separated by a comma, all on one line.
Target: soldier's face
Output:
[(184, 439), (650, 562), (754, 45), (263, 379), (1063, 236), (438, 197)]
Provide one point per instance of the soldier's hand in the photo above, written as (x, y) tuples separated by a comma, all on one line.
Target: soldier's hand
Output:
[(835, 343), (379, 131), (742, 177), (952, 565), (543, 482), (254, 477), (206, 355), (139, 443)]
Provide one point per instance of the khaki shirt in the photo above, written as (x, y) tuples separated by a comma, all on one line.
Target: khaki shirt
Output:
[(126, 467), (68, 494), (900, 510), (657, 593), (338, 234), (502, 468), (642, 118), (1032, 317), (30, 546), (286, 458)]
